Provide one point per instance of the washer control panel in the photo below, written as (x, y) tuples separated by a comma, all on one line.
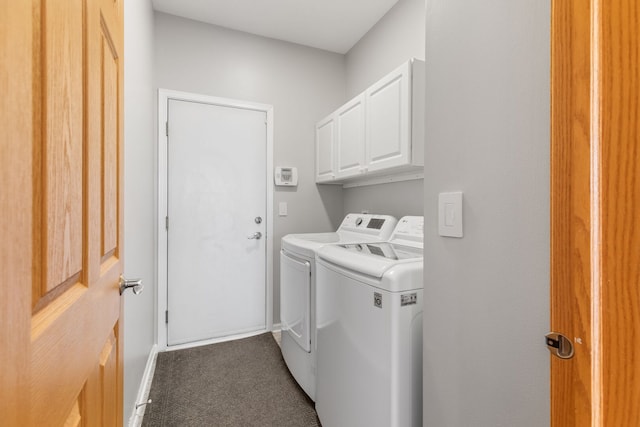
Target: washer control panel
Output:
[(378, 226), (409, 231)]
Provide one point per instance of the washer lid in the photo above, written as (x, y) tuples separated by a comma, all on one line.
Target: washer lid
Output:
[(372, 259)]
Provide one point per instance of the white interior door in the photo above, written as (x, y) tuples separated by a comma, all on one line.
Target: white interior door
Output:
[(216, 190)]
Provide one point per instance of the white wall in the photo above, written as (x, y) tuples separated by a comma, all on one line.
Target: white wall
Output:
[(486, 295), (302, 84), (139, 179), (398, 36)]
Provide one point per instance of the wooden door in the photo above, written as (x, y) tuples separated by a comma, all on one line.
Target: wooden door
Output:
[(595, 211), (61, 250)]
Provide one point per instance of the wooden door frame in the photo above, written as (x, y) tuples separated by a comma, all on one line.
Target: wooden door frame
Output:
[(595, 200), (164, 95)]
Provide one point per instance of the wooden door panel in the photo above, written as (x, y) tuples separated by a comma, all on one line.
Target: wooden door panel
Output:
[(99, 397), (108, 381), (61, 129), (110, 98), (74, 419), (66, 350)]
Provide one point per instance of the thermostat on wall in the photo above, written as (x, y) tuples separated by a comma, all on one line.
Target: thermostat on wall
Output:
[(286, 176)]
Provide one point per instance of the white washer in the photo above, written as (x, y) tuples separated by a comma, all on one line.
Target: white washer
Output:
[(298, 290), (369, 331)]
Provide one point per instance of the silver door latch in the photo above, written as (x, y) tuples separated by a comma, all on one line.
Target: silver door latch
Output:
[(559, 345), (135, 285)]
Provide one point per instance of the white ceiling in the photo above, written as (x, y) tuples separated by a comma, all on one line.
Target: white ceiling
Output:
[(334, 25)]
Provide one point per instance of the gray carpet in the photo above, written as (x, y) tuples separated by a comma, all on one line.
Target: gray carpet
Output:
[(234, 383)]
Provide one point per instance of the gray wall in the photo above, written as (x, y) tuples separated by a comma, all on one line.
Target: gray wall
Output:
[(397, 198), (139, 194), (487, 295), (398, 36), (302, 84)]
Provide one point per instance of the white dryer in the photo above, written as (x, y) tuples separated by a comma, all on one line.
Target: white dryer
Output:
[(369, 331), (298, 290)]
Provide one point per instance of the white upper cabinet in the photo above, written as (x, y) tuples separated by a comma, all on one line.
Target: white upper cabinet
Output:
[(379, 133), (350, 140), (325, 144), (389, 121)]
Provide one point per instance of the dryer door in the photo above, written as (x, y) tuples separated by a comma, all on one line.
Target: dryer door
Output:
[(295, 298)]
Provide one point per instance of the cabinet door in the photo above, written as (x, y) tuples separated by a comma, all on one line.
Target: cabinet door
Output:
[(350, 140), (325, 143), (388, 120)]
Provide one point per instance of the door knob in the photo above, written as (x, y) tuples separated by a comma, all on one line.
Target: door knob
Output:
[(257, 235), (559, 345), (135, 285)]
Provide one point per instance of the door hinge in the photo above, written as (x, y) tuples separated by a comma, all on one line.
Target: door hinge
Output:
[(166, 128), (166, 316), (166, 223)]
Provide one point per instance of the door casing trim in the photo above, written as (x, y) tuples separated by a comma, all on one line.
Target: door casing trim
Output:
[(164, 95)]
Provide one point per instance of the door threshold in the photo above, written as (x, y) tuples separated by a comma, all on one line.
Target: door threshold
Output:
[(215, 340)]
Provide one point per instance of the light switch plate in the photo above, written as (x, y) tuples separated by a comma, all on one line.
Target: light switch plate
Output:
[(450, 214), (282, 209)]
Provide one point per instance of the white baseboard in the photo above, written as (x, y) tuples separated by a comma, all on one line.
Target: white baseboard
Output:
[(145, 386), (276, 327)]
